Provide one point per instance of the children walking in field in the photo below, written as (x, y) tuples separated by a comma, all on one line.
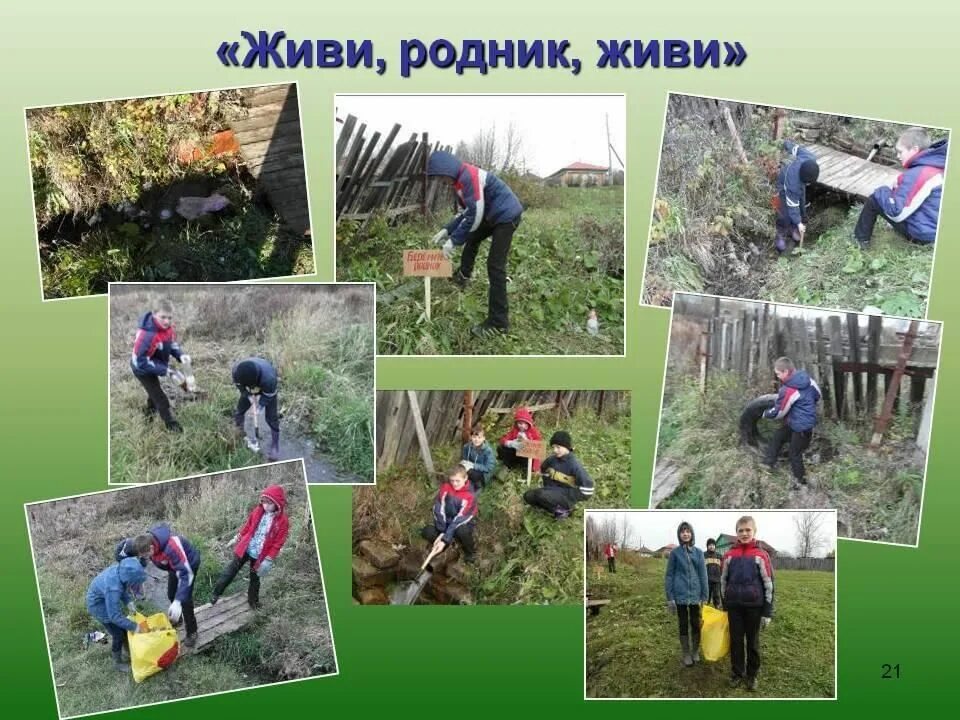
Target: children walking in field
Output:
[(257, 542), (791, 200), (454, 512), (746, 583), (713, 560), (912, 205), (490, 209), (109, 596), (256, 379), (523, 429), (477, 457), (796, 405), (565, 482), (153, 346), (686, 587)]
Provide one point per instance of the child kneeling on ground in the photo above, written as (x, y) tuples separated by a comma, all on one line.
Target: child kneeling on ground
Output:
[(687, 589), (258, 542), (565, 482), (453, 513), (110, 593)]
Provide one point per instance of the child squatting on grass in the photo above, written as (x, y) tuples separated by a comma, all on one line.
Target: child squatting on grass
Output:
[(746, 582), (477, 458), (155, 342), (523, 429), (108, 596), (454, 511), (565, 482), (256, 379), (686, 586), (490, 209), (796, 405), (258, 542), (791, 200)]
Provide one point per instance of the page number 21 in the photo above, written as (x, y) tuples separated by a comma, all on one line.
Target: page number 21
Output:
[(891, 672)]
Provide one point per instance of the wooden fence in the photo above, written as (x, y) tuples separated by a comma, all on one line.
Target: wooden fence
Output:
[(446, 413), (792, 563), (373, 176)]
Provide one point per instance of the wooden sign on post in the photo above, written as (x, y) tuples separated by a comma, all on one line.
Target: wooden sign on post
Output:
[(532, 450), (426, 264)]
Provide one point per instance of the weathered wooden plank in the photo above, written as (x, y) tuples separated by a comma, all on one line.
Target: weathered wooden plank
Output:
[(269, 94), (286, 131), (853, 332), (343, 139)]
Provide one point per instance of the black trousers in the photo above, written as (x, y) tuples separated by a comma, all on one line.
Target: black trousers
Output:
[(502, 234), (799, 441), (157, 400), (688, 616), (715, 598), (611, 564), (463, 535), (230, 572), (269, 406), (548, 498), (118, 637), (863, 231), (744, 629), (508, 456), (477, 481), (189, 619)]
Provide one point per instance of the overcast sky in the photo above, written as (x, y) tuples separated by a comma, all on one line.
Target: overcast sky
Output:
[(659, 527), (556, 130)]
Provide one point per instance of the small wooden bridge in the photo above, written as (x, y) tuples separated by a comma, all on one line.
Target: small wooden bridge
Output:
[(230, 613), (850, 174), (271, 145)]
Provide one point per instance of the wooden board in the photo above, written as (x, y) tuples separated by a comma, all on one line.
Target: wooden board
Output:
[(849, 174), (229, 614), (426, 263)]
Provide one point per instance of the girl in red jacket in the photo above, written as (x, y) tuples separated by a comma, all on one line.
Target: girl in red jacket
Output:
[(523, 429), (257, 542)]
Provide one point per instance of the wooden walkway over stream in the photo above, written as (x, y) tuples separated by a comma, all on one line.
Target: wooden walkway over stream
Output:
[(850, 174)]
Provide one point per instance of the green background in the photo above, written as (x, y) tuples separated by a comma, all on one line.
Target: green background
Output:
[(891, 61)]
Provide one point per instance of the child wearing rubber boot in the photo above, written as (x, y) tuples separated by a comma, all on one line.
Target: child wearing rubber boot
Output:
[(153, 346), (490, 210), (477, 457), (791, 200), (523, 429), (258, 542), (796, 405), (687, 590), (565, 482), (108, 597), (176, 556), (746, 583), (256, 379), (454, 511)]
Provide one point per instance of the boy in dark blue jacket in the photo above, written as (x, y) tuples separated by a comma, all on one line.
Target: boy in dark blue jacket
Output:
[(686, 586), (490, 209), (109, 597), (796, 405), (792, 183), (153, 346), (912, 205), (565, 482), (453, 513), (478, 459), (746, 583), (257, 378)]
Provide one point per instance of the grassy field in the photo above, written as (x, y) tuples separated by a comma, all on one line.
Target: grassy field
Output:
[(73, 540), (713, 228), (566, 257), (320, 339), (633, 648), (877, 493), (523, 555), (104, 173)]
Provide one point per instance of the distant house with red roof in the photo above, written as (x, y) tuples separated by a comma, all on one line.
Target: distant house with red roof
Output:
[(579, 174), (665, 550)]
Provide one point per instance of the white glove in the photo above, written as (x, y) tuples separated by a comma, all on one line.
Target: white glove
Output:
[(439, 237), (175, 611), (764, 621), (184, 359), (131, 607), (448, 249), (266, 565), (512, 444), (467, 465), (233, 541)]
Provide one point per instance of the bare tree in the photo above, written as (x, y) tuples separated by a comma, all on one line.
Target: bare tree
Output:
[(494, 152), (809, 529)]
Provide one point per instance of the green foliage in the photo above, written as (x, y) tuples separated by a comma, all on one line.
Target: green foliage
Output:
[(633, 651), (564, 260)]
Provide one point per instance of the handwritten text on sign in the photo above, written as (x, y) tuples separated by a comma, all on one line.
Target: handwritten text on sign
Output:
[(532, 449), (426, 263)]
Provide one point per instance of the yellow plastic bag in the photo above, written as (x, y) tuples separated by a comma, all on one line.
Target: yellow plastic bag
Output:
[(154, 650), (715, 634)]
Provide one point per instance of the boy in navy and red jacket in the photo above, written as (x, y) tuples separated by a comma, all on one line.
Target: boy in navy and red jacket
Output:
[(746, 583), (153, 346), (257, 542), (791, 202), (523, 429), (181, 561), (796, 405), (912, 205), (454, 512), (490, 209)]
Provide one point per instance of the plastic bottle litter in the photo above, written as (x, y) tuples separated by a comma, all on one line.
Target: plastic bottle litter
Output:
[(593, 325), (192, 208)]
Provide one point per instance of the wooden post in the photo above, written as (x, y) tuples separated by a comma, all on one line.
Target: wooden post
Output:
[(873, 357), (704, 355), (426, 296), (906, 350), (731, 126), (836, 356), (467, 415), (421, 433), (823, 376), (529, 470), (423, 177), (853, 335), (763, 358)]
